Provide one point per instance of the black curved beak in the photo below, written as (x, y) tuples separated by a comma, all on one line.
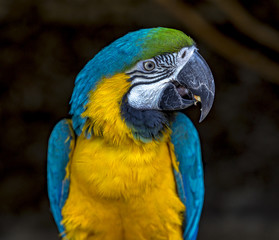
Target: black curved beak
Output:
[(196, 77)]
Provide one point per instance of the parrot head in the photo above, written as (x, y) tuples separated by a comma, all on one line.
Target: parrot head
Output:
[(146, 75)]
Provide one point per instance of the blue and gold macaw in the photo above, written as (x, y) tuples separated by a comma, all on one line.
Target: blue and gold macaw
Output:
[(127, 165)]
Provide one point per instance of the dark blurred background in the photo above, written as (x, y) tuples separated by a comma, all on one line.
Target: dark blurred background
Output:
[(44, 44)]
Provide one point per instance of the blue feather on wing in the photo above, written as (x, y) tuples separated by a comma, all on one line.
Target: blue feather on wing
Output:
[(59, 148), (189, 179)]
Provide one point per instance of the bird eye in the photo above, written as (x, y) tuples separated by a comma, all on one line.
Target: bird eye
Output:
[(149, 65)]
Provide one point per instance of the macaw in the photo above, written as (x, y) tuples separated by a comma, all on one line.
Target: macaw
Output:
[(127, 165)]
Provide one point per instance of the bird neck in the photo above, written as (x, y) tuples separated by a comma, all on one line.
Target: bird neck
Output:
[(146, 125), (109, 116)]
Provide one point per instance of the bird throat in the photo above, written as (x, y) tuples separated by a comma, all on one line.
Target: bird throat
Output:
[(109, 115), (146, 125)]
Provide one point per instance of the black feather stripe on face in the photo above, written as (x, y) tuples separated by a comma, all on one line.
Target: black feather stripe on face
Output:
[(164, 65)]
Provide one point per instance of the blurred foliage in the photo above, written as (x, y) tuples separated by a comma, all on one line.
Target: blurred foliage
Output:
[(43, 46)]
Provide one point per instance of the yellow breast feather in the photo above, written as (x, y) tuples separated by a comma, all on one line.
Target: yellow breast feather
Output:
[(120, 187)]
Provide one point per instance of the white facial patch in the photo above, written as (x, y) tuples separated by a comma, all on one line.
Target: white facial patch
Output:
[(148, 86), (146, 96)]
